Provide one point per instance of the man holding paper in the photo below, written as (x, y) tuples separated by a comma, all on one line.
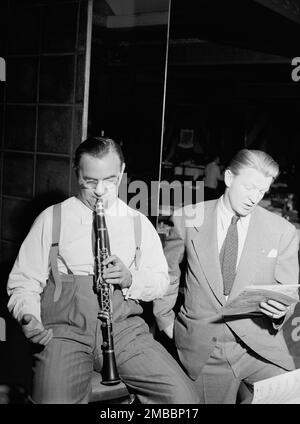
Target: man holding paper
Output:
[(230, 243)]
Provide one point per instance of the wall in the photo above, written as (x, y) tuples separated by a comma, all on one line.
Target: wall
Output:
[(44, 45)]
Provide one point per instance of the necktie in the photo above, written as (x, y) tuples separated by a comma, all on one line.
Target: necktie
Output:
[(228, 255)]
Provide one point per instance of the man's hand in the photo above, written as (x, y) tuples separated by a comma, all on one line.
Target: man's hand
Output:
[(169, 330), (116, 272), (35, 331), (273, 309)]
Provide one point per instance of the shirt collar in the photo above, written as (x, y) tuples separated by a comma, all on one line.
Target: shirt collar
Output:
[(225, 215)]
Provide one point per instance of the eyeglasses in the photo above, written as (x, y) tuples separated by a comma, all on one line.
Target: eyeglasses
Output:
[(93, 183)]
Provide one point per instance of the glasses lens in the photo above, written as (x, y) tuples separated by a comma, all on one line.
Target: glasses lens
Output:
[(92, 184)]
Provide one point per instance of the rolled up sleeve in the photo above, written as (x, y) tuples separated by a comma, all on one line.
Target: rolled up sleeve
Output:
[(29, 274)]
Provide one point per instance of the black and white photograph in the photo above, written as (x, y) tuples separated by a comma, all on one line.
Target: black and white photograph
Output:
[(149, 206)]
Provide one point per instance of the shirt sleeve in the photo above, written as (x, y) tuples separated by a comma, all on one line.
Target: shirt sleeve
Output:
[(150, 281), (29, 274)]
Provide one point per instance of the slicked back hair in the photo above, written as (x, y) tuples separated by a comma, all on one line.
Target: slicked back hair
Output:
[(256, 159), (97, 147)]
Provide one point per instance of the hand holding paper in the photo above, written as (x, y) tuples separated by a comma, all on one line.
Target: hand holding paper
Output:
[(273, 309), (258, 299)]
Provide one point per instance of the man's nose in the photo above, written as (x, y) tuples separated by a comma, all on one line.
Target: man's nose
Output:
[(99, 190), (254, 197)]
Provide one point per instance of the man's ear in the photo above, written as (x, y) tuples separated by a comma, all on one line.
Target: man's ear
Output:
[(228, 177)]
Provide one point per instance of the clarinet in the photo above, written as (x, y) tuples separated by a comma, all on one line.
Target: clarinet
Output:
[(109, 372)]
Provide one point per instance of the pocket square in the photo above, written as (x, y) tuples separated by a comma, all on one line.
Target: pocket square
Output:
[(273, 253)]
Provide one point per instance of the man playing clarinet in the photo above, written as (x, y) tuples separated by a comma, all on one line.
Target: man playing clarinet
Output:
[(53, 298)]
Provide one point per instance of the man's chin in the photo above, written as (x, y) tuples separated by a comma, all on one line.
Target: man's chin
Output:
[(245, 211)]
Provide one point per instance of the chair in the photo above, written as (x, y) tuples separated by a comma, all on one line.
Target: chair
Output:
[(117, 393)]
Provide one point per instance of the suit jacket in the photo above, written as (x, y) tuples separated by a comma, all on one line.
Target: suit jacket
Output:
[(196, 326)]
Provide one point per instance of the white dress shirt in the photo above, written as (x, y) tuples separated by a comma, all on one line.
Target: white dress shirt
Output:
[(224, 217), (30, 272)]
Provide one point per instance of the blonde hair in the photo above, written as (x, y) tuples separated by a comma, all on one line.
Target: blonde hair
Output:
[(256, 159)]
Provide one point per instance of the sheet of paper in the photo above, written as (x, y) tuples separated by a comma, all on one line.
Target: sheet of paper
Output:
[(247, 302), (282, 389)]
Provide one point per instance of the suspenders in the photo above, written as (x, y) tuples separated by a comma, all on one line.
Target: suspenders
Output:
[(137, 227), (54, 249)]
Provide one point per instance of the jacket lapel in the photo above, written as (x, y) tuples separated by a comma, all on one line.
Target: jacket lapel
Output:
[(205, 244), (246, 268)]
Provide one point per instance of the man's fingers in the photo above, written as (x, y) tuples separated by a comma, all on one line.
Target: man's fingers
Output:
[(275, 315), (277, 305), (277, 308), (113, 281), (112, 268), (110, 259), (45, 340), (29, 322), (38, 337), (31, 333), (116, 274), (271, 311), (34, 330), (103, 315)]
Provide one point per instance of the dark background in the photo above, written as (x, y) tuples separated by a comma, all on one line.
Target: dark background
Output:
[(228, 78)]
